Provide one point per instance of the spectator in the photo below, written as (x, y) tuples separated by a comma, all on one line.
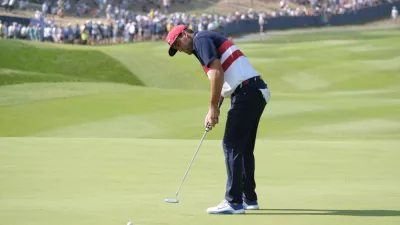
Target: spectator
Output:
[(39, 33), (85, 35), (67, 5), (47, 33), (54, 34), (77, 11), (60, 35), (18, 28), (31, 32), (166, 5), (11, 31), (11, 5), (110, 29), (211, 26), (395, 14), (5, 4), (76, 34), (261, 22), (132, 31), (108, 11), (68, 35), (23, 32), (22, 4), (45, 7), (5, 30), (283, 3), (95, 30)]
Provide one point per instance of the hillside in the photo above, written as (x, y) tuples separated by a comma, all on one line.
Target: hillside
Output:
[(22, 62)]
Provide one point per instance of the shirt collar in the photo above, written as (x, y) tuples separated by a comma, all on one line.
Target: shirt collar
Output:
[(194, 35), (193, 49)]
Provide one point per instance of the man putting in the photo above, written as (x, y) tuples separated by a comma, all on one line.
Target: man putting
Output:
[(231, 75)]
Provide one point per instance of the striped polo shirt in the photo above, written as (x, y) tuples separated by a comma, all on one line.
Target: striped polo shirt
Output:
[(208, 46)]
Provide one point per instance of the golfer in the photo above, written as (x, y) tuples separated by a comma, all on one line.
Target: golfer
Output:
[(231, 75)]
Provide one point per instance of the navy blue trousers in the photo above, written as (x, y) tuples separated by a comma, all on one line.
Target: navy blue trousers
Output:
[(247, 106)]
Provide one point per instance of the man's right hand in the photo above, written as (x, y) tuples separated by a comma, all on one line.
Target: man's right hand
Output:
[(212, 117)]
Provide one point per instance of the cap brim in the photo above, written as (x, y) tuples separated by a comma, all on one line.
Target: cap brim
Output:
[(172, 51)]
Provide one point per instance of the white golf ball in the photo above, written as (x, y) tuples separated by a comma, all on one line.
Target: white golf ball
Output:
[(129, 223)]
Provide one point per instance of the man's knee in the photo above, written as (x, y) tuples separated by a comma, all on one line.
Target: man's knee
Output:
[(231, 144)]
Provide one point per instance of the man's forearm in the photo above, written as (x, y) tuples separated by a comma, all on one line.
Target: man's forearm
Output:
[(221, 100), (217, 81)]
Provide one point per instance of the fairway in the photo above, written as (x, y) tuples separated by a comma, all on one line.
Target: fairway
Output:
[(105, 143)]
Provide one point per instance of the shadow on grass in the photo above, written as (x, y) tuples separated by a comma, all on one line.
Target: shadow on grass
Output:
[(323, 212)]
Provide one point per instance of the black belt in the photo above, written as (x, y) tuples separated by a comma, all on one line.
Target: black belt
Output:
[(249, 81), (246, 82)]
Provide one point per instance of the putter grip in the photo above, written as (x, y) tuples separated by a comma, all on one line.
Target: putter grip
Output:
[(208, 127), (219, 106)]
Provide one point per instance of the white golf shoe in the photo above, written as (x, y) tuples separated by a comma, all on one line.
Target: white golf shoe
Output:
[(226, 208), (250, 205)]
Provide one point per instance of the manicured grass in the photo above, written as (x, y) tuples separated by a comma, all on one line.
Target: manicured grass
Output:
[(109, 110), (22, 63), (95, 149), (112, 181)]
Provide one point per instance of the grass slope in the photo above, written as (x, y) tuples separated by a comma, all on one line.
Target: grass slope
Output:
[(21, 63), (157, 69)]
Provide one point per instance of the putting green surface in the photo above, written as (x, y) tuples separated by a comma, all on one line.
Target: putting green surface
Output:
[(113, 181), (82, 145)]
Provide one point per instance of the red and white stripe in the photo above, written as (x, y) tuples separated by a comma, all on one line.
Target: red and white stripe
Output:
[(235, 65), (229, 54)]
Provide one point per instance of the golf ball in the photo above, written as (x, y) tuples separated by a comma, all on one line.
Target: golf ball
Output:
[(129, 223)]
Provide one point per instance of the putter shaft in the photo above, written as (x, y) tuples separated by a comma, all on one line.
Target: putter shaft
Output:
[(191, 162)]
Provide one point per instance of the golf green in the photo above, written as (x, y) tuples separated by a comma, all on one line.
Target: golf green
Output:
[(105, 141)]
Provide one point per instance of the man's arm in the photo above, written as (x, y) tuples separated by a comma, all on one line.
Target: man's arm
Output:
[(208, 55), (217, 81), (221, 100)]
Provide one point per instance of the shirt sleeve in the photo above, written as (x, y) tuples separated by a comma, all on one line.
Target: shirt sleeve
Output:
[(206, 50)]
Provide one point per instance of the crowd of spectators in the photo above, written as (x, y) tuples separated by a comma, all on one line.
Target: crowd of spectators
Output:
[(115, 23)]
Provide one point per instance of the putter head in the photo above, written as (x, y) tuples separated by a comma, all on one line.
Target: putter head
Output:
[(170, 200)]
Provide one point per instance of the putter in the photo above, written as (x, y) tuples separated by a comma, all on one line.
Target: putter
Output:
[(175, 200)]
